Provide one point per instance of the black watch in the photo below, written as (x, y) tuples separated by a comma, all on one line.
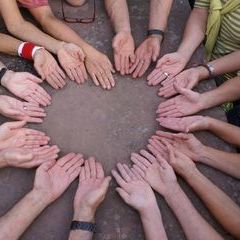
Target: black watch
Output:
[(85, 226), (155, 32)]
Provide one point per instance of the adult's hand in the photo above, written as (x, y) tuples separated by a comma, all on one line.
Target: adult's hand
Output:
[(156, 171), (53, 178), (48, 68), (13, 108), (99, 68), (148, 51), (167, 67), (187, 103), (186, 79), (27, 158), (71, 58), (13, 135), (92, 188), (185, 124), (123, 46), (26, 86), (133, 189)]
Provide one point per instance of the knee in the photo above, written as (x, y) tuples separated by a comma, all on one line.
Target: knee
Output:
[(76, 3)]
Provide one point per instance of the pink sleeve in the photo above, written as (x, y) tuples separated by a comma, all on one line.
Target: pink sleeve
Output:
[(32, 3)]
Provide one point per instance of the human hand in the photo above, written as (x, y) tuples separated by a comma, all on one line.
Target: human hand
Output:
[(148, 51), (25, 85), (13, 108), (133, 189), (187, 103), (27, 158), (123, 46), (13, 135), (185, 143), (185, 124), (71, 58), (99, 68), (181, 163), (53, 178), (92, 188), (47, 67), (156, 171), (186, 79), (167, 67)]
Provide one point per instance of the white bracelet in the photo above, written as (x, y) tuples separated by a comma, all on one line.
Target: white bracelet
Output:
[(35, 49), (20, 48)]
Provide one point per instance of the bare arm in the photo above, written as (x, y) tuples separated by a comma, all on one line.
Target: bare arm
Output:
[(119, 15), (13, 224), (220, 205), (8, 44), (194, 32), (25, 30)]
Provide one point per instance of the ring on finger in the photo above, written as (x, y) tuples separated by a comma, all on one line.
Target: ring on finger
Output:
[(166, 74)]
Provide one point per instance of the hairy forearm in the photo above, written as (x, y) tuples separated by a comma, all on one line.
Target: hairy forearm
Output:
[(17, 220), (152, 224), (220, 205), (194, 226), (8, 44), (228, 132), (223, 161), (119, 15), (228, 91), (227, 64), (194, 32), (159, 12)]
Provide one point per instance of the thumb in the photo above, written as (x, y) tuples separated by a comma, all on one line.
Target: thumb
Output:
[(105, 184), (15, 125), (162, 60), (34, 78), (40, 71), (46, 166), (123, 194), (189, 94)]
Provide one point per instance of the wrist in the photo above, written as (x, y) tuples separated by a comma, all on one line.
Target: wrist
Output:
[(172, 192), (83, 213), (184, 55), (203, 72), (3, 162), (149, 211), (39, 198), (6, 78)]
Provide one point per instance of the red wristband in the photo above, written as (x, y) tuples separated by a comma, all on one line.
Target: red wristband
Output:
[(27, 50)]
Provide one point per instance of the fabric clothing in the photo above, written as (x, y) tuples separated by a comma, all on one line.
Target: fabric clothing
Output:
[(32, 3)]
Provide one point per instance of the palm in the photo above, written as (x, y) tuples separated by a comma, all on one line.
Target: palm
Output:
[(123, 43)]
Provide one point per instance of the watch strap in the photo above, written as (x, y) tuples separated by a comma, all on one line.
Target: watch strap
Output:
[(155, 32), (210, 69), (2, 73), (85, 226)]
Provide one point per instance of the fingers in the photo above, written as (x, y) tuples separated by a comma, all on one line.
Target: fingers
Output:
[(100, 172), (62, 161), (148, 156), (117, 61), (46, 166), (123, 194), (142, 162), (121, 182), (123, 172), (92, 166), (33, 78), (14, 125)]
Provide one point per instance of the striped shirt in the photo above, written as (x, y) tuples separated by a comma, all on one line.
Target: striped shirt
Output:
[(228, 39)]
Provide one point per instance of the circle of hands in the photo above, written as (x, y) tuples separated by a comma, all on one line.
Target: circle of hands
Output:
[(153, 168)]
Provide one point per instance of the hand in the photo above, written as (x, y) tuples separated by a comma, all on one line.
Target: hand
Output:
[(24, 85), (12, 135), (27, 158), (185, 124), (53, 178), (157, 172), (133, 189), (47, 67), (186, 79), (123, 46), (99, 68), (71, 58), (170, 64), (93, 186), (187, 103), (182, 164), (13, 108), (148, 51), (186, 143)]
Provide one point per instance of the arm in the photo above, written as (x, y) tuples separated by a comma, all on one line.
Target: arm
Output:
[(25, 30), (8, 44), (194, 32), (220, 205)]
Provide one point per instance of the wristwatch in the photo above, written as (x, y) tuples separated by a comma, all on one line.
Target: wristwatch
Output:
[(210, 68), (85, 226)]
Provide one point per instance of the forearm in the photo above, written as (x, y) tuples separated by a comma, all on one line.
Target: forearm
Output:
[(194, 226), (228, 91), (159, 12), (194, 32), (228, 132), (119, 15), (220, 205), (8, 44), (17, 220), (152, 224), (28, 32), (227, 64), (223, 161), (85, 215)]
